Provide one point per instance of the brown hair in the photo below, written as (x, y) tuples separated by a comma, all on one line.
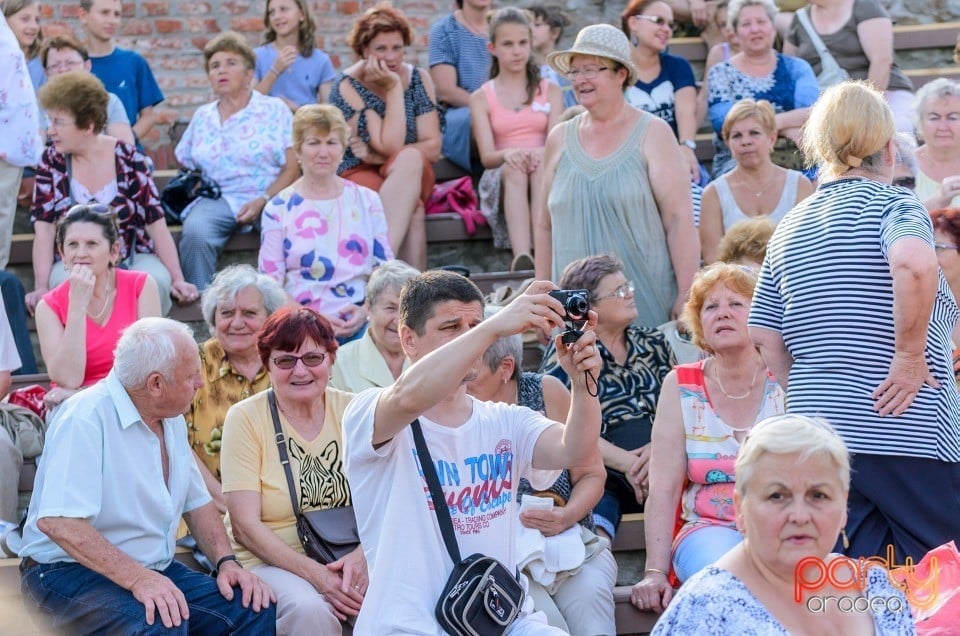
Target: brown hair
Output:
[(98, 214), (553, 16), (80, 94), (289, 327), (324, 118), (739, 279), (63, 42), (307, 33), (228, 42), (512, 15), (587, 272), (635, 7), (948, 220), (761, 110), (382, 18), (746, 240)]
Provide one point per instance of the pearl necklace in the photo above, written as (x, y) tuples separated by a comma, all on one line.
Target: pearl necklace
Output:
[(106, 302), (753, 382)]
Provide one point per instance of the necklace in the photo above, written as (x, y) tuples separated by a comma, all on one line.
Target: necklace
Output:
[(753, 382), (106, 302)]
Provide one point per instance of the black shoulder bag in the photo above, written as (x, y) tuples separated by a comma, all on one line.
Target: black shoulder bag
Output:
[(180, 192), (481, 597), (327, 535)]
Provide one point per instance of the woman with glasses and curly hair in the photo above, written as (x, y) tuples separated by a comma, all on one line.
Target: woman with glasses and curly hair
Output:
[(946, 236), (80, 320)]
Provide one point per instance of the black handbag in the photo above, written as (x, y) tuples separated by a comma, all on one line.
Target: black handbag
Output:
[(326, 535), (481, 596), (180, 192)]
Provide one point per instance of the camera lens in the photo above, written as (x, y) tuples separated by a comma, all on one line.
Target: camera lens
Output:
[(577, 306)]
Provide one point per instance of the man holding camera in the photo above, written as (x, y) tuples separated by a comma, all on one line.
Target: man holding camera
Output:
[(480, 449)]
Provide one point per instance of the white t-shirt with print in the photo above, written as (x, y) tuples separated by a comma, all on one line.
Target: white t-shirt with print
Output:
[(479, 464)]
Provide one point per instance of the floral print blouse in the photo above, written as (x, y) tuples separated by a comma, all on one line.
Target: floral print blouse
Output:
[(322, 251)]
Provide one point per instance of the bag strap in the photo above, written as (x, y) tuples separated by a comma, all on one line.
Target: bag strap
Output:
[(803, 15), (284, 458), (436, 493)]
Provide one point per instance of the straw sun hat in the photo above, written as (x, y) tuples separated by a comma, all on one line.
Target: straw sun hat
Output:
[(597, 40)]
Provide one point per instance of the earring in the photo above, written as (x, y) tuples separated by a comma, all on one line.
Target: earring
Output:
[(634, 40), (844, 539), (65, 268)]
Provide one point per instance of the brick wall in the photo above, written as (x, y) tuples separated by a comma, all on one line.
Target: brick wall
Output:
[(171, 33)]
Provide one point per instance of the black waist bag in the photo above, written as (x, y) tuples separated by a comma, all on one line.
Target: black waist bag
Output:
[(481, 597)]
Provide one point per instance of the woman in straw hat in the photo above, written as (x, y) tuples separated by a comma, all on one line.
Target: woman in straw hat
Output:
[(616, 182)]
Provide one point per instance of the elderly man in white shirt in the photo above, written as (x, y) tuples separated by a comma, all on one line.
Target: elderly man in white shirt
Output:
[(20, 143), (11, 459), (115, 476)]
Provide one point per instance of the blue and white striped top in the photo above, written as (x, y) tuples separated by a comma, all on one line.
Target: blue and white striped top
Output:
[(454, 44), (826, 286)]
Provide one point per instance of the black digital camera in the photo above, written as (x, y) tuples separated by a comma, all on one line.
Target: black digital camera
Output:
[(576, 308)]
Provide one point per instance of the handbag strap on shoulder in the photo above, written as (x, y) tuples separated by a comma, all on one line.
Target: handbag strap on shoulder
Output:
[(803, 16), (436, 493), (284, 458)]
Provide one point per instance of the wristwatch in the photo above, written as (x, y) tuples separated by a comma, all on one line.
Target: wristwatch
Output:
[(224, 559), (689, 143)]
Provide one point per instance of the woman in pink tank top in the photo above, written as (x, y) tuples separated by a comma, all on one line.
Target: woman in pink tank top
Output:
[(80, 320), (511, 115)]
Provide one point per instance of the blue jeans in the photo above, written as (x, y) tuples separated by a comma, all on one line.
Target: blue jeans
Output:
[(78, 600)]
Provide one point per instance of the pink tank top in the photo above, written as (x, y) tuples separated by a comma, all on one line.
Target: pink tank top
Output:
[(711, 450), (101, 341), (524, 128)]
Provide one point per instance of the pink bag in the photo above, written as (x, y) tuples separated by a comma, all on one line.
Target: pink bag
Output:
[(932, 587), (457, 196)]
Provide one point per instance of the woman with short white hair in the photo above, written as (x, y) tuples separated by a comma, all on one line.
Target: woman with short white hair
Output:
[(937, 112)]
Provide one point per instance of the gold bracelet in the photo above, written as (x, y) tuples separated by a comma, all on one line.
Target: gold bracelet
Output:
[(656, 571)]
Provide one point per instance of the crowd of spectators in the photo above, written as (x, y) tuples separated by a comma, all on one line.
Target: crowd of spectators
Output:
[(687, 391)]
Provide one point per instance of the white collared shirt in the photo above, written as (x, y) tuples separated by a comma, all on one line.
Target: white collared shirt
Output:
[(101, 463), (20, 145)]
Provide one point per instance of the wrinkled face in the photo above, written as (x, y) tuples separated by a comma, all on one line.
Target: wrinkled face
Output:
[(103, 19), (25, 25), (511, 46), (320, 153), (948, 255), (594, 81), (941, 122), (384, 315), (755, 29), (723, 318), (64, 134), (302, 383), (178, 391), (647, 29), (450, 319), (487, 382), (228, 73), (60, 61), (284, 16), (237, 323), (791, 509), (85, 244), (388, 47), (749, 143), (614, 312)]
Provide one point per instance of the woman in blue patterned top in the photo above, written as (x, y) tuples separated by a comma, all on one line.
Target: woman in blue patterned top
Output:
[(792, 480), (391, 108), (758, 71), (635, 362)]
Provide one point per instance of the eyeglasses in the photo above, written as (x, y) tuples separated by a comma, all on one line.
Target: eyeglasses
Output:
[(905, 182), (945, 246), (620, 292), (586, 73), (659, 20), (312, 359), (60, 123)]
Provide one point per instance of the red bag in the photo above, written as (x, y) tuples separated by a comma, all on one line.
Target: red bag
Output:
[(30, 397), (932, 587), (457, 196)]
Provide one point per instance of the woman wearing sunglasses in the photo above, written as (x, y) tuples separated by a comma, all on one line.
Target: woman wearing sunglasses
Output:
[(665, 84), (81, 319), (298, 349), (635, 361)]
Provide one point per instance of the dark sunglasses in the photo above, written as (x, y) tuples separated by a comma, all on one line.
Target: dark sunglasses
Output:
[(905, 182), (311, 359)]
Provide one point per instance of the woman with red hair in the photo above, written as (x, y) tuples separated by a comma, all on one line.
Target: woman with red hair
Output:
[(395, 126), (946, 236)]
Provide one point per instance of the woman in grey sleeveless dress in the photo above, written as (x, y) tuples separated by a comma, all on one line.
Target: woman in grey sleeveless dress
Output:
[(616, 182)]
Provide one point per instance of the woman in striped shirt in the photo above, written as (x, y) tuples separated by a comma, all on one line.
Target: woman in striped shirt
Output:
[(852, 309)]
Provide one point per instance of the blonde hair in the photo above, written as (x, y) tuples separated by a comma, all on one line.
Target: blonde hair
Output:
[(739, 279), (836, 136), (746, 239), (323, 118), (788, 434), (761, 110)]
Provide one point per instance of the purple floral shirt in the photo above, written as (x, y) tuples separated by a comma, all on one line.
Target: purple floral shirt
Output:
[(137, 203), (323, 251)]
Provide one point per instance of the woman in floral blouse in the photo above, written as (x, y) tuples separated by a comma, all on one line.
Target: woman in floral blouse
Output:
[(323, 235)]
